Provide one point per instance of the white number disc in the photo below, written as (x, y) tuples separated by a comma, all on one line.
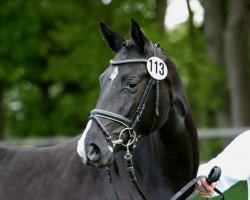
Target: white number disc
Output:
[(157, 68)]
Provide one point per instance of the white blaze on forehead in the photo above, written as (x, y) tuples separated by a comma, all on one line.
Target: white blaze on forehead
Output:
[(81, 143), (112, 77), (114, 74)]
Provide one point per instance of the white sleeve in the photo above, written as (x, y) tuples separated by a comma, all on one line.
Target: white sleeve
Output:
[(234, 162)]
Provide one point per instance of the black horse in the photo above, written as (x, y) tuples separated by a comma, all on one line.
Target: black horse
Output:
[(136, 115)]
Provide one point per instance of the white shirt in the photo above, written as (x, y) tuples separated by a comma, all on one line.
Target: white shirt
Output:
[(234, 162)]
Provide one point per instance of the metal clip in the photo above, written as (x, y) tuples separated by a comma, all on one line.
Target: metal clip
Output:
[(109, 174)]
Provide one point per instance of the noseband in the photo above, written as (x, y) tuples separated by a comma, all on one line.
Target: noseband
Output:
[(130, 124)]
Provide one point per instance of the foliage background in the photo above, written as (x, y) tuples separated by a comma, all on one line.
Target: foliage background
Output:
[(52, 53)]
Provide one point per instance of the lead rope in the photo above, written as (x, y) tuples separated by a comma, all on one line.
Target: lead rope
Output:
[(109, 175), (131, 172), (110, 181), (213, 176)]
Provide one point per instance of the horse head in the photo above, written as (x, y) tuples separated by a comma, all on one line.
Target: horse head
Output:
[(132, 103)]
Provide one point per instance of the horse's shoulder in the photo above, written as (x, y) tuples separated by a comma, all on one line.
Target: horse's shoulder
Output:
[(2, 153), (6, 153)]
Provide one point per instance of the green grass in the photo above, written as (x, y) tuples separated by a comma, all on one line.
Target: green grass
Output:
[(237, 192)]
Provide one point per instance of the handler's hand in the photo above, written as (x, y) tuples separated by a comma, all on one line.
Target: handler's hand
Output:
[(208, 188)]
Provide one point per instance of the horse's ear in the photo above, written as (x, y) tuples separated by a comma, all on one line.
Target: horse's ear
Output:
[(139, 38), (113, 40)]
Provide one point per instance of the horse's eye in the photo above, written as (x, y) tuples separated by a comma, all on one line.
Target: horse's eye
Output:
[(132, 84)]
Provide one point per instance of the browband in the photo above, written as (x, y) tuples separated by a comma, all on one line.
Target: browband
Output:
[(121, 62)]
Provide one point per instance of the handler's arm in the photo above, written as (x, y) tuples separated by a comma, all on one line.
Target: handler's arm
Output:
[(234, 162)]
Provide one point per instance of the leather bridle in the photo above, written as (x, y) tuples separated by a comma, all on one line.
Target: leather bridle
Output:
[(129, 124)]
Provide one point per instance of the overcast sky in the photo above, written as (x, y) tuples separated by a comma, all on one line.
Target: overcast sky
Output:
[(177, 12)]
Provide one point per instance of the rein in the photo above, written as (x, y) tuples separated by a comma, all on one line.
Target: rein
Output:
[(213, 176)]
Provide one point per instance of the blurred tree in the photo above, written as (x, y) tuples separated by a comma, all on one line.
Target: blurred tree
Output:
[(160, 11), (226, 30), (42, 44), (198, 74), (190, 19), (1, 113), (214, 24), (236, 58), (51, 55)]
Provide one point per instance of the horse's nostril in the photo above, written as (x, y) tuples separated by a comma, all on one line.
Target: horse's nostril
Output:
[(93, 153)]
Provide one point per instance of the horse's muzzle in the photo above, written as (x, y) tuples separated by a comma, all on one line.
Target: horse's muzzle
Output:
[(93, 153), (97, 157)]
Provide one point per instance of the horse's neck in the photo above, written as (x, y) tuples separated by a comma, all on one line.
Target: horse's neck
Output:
[(171, 153), (181, 151)]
